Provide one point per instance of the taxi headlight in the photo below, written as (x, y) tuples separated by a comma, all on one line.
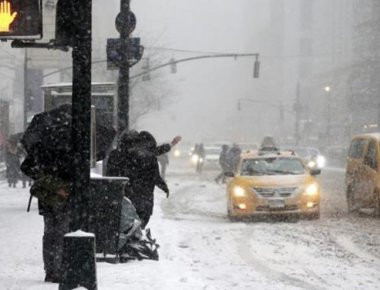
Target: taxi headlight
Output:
[(311, 189), (239, 191)]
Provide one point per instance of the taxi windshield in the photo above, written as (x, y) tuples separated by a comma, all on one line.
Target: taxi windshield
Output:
[(271, 166)]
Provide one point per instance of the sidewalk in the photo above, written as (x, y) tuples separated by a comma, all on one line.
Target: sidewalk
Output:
[(21, 265)]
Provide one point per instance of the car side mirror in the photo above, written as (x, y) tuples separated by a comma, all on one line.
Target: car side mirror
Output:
[(229, 174), (315, 171)]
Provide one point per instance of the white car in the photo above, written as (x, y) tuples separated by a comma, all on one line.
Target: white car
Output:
[(212, 154)]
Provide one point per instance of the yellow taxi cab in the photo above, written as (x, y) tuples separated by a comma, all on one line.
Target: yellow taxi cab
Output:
[(273, 183), (363, 173)]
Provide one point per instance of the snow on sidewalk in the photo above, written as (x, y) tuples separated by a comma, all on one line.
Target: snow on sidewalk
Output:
[(180, 265)]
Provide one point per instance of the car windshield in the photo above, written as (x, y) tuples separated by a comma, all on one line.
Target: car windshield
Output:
[(271, 166)]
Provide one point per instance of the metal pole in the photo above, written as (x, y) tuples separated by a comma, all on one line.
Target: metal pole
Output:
[(123, 82), (81, 110), (25, 88)]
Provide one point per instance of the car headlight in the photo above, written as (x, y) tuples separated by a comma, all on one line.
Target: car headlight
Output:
[(311, 164), (311, 189), (201, 160), (177, 153), (194, 158), (239, 191), (321, 161)]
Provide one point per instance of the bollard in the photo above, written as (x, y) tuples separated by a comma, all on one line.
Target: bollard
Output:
[(78, 263)]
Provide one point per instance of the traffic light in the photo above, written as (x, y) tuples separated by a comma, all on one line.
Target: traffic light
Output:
[(173, 66), (20, 19), (146, 68), (64, 33), (256, 69)]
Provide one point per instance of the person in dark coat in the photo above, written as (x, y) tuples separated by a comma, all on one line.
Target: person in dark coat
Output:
[(223, 165), (12, 163), (52, 175), (135, 158)]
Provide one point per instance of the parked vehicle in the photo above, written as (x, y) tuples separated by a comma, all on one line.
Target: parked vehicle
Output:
[(363, 173)]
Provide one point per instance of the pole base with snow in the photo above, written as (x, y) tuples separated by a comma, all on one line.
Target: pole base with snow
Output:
[(78, 264)]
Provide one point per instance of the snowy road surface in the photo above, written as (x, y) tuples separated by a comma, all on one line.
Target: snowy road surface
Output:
[(202, 249)]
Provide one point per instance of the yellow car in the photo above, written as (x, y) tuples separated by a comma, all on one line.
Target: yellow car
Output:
[(273, 183)]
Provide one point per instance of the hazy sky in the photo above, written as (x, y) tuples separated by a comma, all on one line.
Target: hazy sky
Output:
[(204, 104)]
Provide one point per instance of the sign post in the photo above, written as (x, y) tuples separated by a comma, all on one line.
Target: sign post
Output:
[(123, 82)]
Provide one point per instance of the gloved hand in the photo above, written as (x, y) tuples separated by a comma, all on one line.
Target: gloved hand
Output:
[(176, 140)]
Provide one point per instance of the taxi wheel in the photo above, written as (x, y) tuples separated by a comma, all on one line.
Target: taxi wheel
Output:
[(350, 199), (314, 216), (233, 218)]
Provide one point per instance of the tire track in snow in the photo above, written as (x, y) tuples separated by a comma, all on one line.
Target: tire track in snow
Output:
[(182, 203), (244, 251), (348, 245)]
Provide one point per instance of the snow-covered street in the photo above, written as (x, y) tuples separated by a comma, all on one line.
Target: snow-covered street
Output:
[(202, 249)]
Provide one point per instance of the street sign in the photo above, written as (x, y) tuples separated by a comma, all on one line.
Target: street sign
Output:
[(20, 19), (114, 52), (129, 21)]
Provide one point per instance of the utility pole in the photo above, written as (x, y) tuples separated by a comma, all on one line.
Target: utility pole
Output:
[(26, 98), (123, 82), (81, 109)]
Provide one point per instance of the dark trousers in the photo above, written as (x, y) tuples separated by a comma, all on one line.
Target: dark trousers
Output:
[(221, 176), (56, 225)]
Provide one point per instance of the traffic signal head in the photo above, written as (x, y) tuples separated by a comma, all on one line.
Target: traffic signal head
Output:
[(64, 32), (173, 66), (256, 69), (20, 19)]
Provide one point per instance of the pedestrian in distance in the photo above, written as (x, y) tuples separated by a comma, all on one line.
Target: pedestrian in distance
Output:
[(200, 152), (223, 164), (233, 157), (12, 163)]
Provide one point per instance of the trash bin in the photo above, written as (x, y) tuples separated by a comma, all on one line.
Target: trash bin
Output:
[(106, 195)]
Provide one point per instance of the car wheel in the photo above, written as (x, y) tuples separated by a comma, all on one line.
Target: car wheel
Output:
[(314, 215), (350, 199)]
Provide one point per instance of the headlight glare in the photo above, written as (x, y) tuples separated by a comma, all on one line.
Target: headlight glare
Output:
[(239, 191), (321, 161), (311, 164), (177, 153), (194, 158), (311, 189)]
